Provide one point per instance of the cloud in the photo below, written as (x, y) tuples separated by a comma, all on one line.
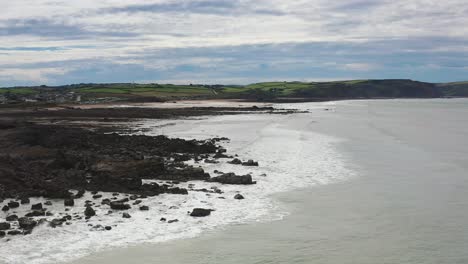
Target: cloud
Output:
[(292, 39)]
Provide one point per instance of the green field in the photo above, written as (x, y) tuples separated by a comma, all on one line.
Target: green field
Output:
[(260, 91)]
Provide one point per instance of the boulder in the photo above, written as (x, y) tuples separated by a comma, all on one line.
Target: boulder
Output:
[(69, 202), (89, 212), (250, 163), (2, 233), (15, 233), (108, 228), (231, 178), (200, 212), (36, 213), (119, 206), (5, 208), (239, 196), (235, 161), (11, 218), (13, 204), (25, 200), (37, 206), (26, 223), (56, 222), (4, 226)]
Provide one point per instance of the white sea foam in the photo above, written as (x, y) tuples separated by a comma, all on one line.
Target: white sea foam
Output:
[(289, 154)]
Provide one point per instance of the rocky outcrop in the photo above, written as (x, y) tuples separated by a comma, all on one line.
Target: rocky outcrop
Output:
[(232, 178)]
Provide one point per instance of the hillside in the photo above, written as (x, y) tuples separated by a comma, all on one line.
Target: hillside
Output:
[(266, 91)]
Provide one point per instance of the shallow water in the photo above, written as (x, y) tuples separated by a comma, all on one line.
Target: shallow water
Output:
[(407, 203)]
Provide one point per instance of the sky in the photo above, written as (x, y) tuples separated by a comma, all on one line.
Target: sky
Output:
[(52, 42)]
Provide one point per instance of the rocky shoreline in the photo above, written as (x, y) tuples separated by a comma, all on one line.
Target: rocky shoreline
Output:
[(63, 164)]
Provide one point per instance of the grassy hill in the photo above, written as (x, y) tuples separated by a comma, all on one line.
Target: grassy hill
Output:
[(258, 91)]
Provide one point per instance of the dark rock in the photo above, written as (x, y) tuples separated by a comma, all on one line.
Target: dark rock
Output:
[(250, 163), (49, 203), (36, 213), (2, 233), (11, 218), (173, 221), (4, 226), (144, 208), (211, 161), (162, 219), (97, 196), (200, 212), (119, 206), (106, 201), (235, 161), (26, 223), (13, 204), (5, 208), (80, 194), (126, 215), (36, 206), (69, 202), (15, 232), (239, 196), (133, 197), (231, 178), (56, 222), (25, 200), (89, 212), (108, 228), (137, 202)]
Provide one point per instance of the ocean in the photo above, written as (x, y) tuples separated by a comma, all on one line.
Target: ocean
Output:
[(365, 181)]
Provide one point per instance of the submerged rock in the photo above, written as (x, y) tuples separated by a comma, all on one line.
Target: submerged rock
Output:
[(26, 223), (126, 215)]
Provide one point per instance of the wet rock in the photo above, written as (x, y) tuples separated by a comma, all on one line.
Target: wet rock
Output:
[(5, 208), (239, 196), (162, 219), (173, 221), (69, 202), (49, 203), (15, 232), (36, 213), (89, 212), (144, 208), (11, 218), (235, 161), (211, 161), (250, 163), (2, 233), (56, 222), (119, 206), (106, 201), (37, 206), (80, 194), (133, 197), (137, 202), (97, 196), (25, 200), (126, 215), (200, 212), (108, 228), (26, 223), (231, 178), (13, 204), (4, 226)]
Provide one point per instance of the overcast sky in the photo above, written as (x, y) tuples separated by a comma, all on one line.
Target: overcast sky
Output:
[(231, 41)]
